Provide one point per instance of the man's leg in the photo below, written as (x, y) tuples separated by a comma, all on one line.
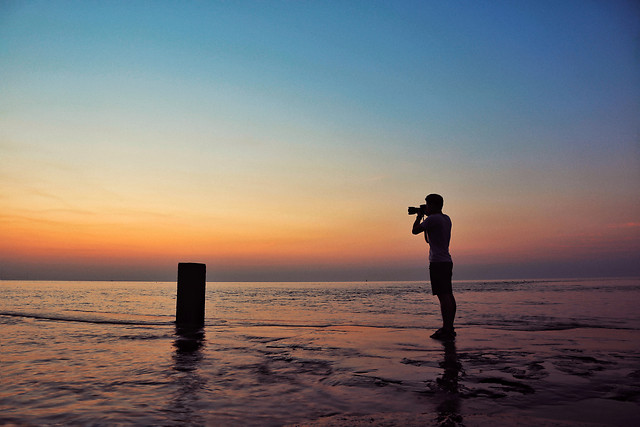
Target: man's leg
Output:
[(448, 310)]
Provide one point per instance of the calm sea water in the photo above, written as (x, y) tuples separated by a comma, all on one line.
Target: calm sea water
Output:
[(286, 353)]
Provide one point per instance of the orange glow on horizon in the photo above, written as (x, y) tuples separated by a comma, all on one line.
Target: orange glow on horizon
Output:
[(233, 244), (232, 241)]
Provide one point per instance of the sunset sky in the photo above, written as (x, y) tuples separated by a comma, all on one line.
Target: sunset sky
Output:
[(284, 140)]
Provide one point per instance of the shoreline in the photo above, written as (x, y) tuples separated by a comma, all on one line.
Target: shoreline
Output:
[(548, 378), (339, 356)]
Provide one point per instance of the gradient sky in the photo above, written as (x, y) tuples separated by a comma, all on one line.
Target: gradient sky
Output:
[(284, 140)]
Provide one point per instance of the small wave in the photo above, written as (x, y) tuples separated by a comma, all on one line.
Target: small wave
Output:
[(112, 312), (209, 322), (546, 327), (569, 326), (60, 318), (329, 325)]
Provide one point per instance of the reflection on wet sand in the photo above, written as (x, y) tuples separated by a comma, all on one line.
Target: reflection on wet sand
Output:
[(449, 408), (188, 343), (186, 360)]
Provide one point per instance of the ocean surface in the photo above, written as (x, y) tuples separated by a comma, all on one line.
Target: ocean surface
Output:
[(104, 353)]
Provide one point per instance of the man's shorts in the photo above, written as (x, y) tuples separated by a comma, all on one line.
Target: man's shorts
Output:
[(440, 274)]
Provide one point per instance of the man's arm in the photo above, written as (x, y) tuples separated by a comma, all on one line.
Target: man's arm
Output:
[(417, 227)]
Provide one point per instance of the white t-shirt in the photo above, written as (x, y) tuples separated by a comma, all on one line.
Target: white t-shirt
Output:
[(438, 235)]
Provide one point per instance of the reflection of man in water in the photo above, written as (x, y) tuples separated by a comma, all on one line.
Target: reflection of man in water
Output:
[(437, 232), (449, 407)]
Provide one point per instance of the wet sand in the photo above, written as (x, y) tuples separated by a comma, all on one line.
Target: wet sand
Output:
[(570, 377), (532, 354)]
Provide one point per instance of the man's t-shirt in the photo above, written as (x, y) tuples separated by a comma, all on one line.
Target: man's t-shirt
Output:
[(438, 228)]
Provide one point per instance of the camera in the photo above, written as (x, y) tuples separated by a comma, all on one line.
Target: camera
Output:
[(414, 210)]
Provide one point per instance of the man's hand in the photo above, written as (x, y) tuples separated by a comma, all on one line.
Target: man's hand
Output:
[(417, 228)]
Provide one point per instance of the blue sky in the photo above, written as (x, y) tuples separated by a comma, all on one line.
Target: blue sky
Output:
[(319, 122)]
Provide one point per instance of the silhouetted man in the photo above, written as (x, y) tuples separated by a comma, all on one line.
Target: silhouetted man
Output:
[(437, 232)]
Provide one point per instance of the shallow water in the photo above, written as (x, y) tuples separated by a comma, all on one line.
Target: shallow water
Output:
[(287, 353)]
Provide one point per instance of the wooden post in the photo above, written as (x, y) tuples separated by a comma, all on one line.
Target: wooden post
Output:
[(191, 294)]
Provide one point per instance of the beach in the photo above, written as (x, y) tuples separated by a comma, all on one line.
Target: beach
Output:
[(556, 353)]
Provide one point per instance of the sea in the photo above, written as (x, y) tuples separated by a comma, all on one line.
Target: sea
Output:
[(352, 353)]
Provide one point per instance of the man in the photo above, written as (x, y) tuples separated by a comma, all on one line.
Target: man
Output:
[(437, 232)]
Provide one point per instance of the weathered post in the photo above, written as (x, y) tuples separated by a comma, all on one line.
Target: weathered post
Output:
[(191, 294)]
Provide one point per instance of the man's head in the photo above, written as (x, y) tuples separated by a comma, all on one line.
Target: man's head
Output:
[(434, 203)]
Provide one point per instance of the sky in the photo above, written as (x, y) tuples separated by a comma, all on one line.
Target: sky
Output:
[(284, 140)]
